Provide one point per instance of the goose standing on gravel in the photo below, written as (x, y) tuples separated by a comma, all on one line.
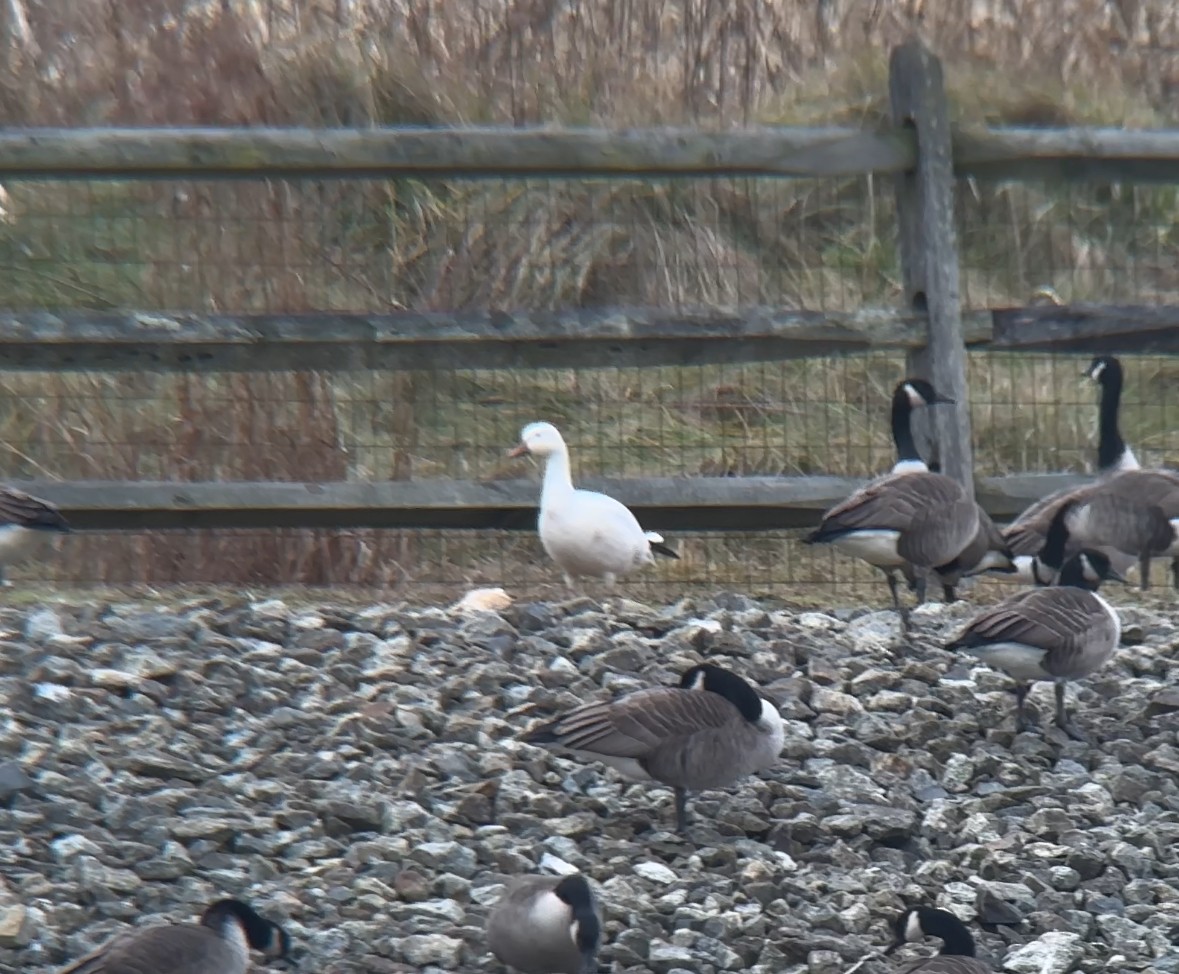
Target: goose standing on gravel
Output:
[(909, 521), (708, 732), (546, 925), (219, 944), (586, 533), (24, 520), (1059, 633), (1117, 468), (957, 953)]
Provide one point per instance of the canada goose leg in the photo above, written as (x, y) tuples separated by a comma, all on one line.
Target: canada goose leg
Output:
[(1175, 572), (681, 811), (1022, 722), (1062, 718), (919, 586), (1143, 572), (949, 594), (893, 590)]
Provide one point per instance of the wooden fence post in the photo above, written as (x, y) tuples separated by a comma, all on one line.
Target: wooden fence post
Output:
[(929, 251)]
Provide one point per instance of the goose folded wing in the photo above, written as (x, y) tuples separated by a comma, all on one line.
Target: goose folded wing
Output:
[(891, 503), (26, 511), (1124, 521), (639, 722), (176, 949), (1057, 620)]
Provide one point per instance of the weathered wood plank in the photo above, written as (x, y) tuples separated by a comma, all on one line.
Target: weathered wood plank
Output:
[(661, 503), (929, 248), (587, 338), (1079, 154), (447, 152), (1118, 329)]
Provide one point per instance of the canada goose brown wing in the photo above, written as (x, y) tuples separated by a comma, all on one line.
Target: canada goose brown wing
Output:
[(893, 503), (1110, 518), (638, 723), (1065, 622), (27, 511), (178, 949)]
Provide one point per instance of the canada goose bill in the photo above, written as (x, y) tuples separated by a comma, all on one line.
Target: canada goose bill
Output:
[(910, 521), (1060, 633), (24, 521), (709, 731), (586, 533), (546, 925), (957, 955), (219, 944)]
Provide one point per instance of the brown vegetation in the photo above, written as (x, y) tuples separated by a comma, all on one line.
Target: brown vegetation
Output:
[(366, 244)]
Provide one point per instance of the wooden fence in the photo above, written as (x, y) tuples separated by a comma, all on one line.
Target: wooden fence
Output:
[(920, 153)]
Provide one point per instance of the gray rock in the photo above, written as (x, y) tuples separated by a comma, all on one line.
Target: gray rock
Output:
[(1052, 953)]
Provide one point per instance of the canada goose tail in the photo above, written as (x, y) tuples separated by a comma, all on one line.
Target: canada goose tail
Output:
[(659, 548), (546, 733)]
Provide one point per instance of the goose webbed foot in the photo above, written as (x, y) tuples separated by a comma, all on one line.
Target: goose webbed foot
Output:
[(1063, 721)]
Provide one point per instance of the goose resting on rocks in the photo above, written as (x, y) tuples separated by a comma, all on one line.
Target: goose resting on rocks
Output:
[(586, 533)]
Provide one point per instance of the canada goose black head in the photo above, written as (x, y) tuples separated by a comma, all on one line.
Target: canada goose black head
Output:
[(585, 929), (925, 921), (718, 680), (1088, 569), (261, 934), (910, 394)]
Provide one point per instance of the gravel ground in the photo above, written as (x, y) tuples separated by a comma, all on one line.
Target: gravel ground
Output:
[(353, 773)]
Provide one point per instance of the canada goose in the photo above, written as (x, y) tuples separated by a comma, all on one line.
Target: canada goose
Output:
[(910, 520), (1116, 466), (586, 533), (546, 925), (957, 953), (23, 520), (219, 944), (1059, 633), (1113, 454), (707, 732)]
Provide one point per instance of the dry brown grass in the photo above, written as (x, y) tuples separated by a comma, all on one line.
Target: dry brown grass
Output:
[(377, 245)]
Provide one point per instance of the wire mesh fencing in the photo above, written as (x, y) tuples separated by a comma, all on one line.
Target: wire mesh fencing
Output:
[(378, 245)]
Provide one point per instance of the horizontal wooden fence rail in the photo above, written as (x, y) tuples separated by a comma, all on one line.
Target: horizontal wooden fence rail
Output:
[(587, 337), (205, 153), (449, 152), (661, 503)]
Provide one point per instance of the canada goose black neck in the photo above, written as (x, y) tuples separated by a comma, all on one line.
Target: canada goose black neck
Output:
[(729, 685), (261, 934), (902, 425), (1106, 371), (1056, 537), (575, 891), (956, 939)]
